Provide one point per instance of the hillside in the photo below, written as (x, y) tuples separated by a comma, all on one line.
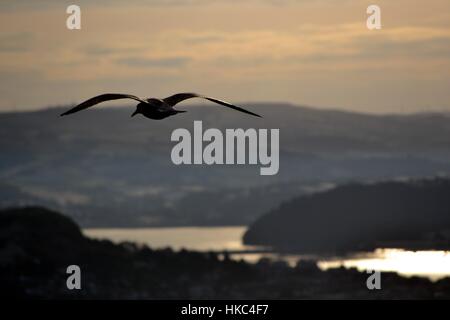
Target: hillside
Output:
[(353, 217), (106, 169)]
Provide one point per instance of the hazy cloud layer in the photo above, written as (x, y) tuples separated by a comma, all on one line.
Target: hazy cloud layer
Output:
[(307, 52), (154, 62), (16, 42)]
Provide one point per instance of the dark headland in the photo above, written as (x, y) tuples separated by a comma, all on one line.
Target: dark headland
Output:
[(412, 214)]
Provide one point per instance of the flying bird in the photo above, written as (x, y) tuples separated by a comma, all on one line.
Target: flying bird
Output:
[(153, 108)]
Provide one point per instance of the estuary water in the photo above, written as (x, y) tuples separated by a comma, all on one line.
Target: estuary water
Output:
[(431, 264)]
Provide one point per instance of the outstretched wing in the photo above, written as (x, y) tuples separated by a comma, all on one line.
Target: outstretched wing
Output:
[(101, 98), (176, 98)]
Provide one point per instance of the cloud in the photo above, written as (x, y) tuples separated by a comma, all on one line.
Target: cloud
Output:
[(27, 5), (99, 50), (15, 42), (419, 49), (202, 38), (172, 62), (291, 50), (46, 4)]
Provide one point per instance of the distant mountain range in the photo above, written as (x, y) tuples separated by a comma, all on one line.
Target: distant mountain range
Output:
[(107, 169), (410, 215)]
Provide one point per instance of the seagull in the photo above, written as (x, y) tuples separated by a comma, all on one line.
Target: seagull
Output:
[(153, 108)]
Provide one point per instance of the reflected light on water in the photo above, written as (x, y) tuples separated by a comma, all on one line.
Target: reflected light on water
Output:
[(192, 238), (433, 265)]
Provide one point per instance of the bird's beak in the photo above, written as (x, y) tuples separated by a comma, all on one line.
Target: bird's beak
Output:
[(134, 113)]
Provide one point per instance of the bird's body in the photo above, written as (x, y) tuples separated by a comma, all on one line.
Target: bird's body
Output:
[(153, 108)]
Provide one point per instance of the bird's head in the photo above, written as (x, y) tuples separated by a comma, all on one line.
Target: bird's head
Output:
[(137, 111)]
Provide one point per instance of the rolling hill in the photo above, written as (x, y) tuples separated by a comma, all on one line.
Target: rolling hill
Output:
[(107, 169)]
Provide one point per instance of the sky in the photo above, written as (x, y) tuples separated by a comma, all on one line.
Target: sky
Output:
[(307, 52)]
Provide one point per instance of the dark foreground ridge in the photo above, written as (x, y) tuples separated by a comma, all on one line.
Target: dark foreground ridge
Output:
[(37, 245), (409, 215)]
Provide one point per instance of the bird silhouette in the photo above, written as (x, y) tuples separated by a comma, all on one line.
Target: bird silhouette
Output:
[(153, 108)]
